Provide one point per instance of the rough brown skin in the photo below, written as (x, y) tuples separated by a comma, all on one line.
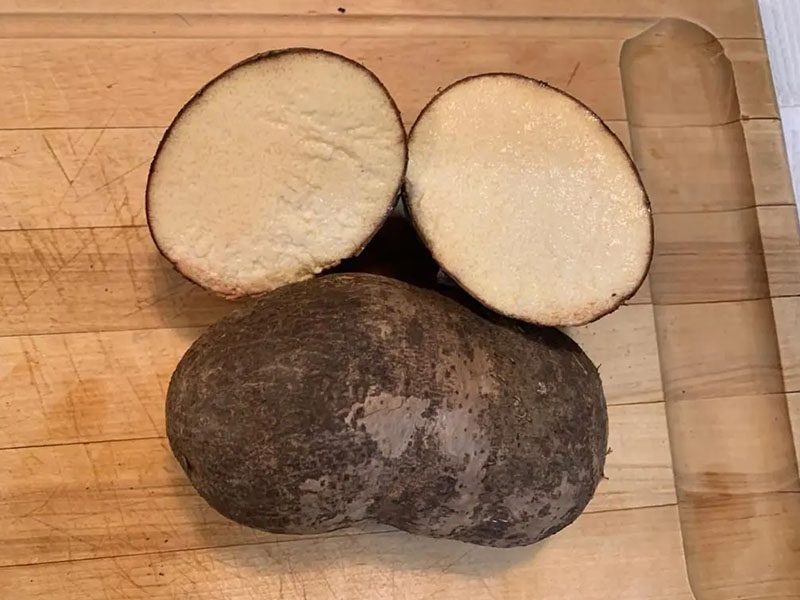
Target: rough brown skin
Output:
[(357, 397), (405, 192), (199, 93)]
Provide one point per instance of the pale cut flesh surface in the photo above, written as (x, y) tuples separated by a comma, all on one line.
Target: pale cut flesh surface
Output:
[(527, 200), (281, 167)]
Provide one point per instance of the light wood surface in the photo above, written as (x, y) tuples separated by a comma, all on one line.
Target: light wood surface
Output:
[(92, 320), (732, 447), (626, 555)]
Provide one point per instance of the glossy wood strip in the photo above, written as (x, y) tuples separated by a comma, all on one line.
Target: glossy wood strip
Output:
[(735, 467)]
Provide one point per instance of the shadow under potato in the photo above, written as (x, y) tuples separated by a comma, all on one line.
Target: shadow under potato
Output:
[(376, 548), (396, 551), (395, 251)]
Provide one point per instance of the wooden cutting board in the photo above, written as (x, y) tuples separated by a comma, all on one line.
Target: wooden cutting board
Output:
[(702, 497)]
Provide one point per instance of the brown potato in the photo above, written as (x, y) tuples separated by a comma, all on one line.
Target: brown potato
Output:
[(356, 397)]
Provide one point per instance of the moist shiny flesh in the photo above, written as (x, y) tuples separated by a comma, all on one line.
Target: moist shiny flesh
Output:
[(527, 200)]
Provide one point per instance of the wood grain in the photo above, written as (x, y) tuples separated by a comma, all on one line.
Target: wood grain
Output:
[(67, 178), (79, 280), (726, 18), (772, 184), (391, 566), (727, 185), (252, 25), (744, 364), (781, 240), (103, 499), (707, 462), (125, 92), (770, 538), (87, 387), (623, 346), (737, 254), (708, 257), (752, 77)]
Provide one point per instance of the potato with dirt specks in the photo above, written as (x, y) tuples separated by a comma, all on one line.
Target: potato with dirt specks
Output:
[(356, 397)]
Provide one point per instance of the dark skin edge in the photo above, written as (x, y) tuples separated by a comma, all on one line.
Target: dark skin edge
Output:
[(406, 191), (270, 54)]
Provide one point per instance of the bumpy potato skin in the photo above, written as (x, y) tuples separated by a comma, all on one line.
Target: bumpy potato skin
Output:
[(354, 396)]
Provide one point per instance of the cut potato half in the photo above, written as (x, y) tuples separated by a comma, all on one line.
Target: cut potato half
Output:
[(527, 200), (277, 169)]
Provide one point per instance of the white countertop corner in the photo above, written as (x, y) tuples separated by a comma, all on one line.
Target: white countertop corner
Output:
[(781, 21)]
